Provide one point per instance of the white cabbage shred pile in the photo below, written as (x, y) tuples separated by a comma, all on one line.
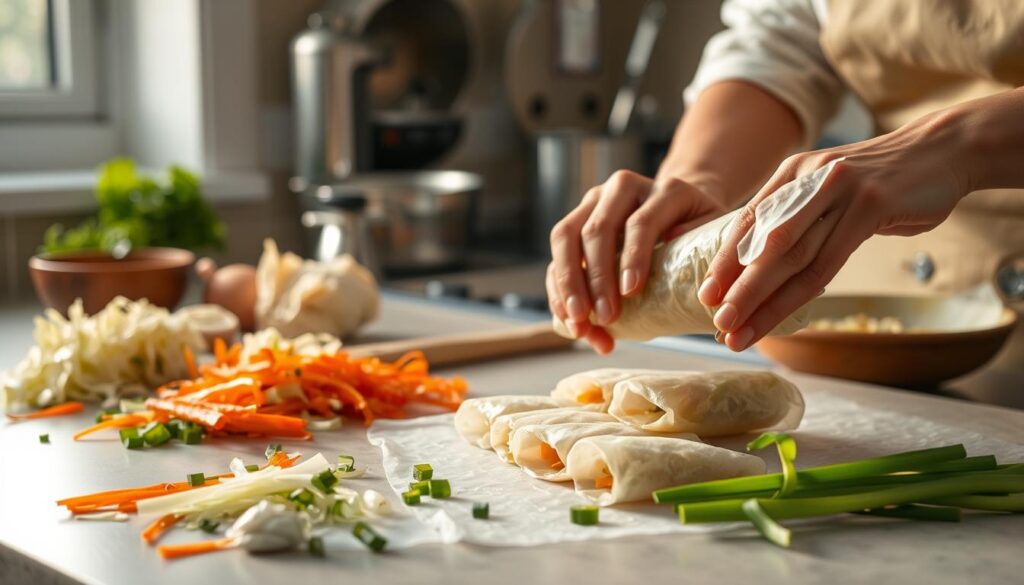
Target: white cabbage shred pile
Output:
[(127, 348)]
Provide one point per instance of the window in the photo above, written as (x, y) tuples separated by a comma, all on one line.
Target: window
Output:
[(47, 58)]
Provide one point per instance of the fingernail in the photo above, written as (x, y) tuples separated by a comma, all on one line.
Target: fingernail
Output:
[(725, 318), (628, 281), (575, 308), (603, 309), (741, 339), (821, 292), (709, 292), (719, 336)]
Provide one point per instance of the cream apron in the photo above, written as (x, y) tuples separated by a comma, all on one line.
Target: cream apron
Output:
[(905, 59)]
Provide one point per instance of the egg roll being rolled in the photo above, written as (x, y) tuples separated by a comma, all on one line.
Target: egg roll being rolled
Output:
[(592, 389), (710, 404), (541, 450), (503, 426), (616, 469), (668, 303), (475, 415)]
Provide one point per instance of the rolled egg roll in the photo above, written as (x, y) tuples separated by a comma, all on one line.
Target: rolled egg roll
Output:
[(474, 417), (541, 450), (668, 303), (592, 389), (617, 469), (710, 404), (503, 426)]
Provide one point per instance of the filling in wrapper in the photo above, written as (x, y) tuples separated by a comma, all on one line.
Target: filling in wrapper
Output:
[(475, 415), (617, 469), (542, 450), (592, 390), (710, 404), (668, 303), (503, 426)]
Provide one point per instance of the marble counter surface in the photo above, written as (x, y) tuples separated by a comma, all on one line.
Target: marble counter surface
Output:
[(38, 544)]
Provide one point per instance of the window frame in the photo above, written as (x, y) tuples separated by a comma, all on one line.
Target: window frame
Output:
[(75, 92)]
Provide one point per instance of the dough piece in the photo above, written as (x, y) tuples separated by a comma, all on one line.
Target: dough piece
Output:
[(710, 404), (668, 304), (475, 415), (592, 389), (503, 426), (617, 469), (298, 296), (541, 450)]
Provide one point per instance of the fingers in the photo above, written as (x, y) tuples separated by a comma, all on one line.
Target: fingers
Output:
[(600, 233), (668, 202), (600, 340), (760, 280), (569, 285), (854, 227), (554, 298)]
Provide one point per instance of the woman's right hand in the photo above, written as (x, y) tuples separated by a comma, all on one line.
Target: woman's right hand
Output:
[(628, 212)]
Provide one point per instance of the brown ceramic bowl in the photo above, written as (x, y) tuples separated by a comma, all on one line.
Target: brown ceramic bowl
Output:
[(947, 338), (157, 274)]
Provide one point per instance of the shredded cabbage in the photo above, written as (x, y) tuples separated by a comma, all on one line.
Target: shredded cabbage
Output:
[(127, 348)]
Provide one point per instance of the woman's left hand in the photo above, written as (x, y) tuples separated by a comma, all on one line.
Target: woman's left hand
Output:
[(902, 183)]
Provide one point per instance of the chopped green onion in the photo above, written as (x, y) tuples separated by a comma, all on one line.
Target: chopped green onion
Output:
[(367, 536), (934, 491), (774, 532), (1009, 503), (128, 433), (481, 510), (787, 453), (174, 426), (196, 479), (422, 472), (302, 497), (440, 488), (191, 435), (584, 515), (909, 461), (423, 487), (45, 438), (156, 434), (325, 481), (916, 512), (252, 468), (411, 497), (346, 462), (337, 510), (208, 526), (316, 546), (271, 449), (133, 443)]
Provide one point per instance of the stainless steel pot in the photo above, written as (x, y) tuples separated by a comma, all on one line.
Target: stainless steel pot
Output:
[(418, 221)]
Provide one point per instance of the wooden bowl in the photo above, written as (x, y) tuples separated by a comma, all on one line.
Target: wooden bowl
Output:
[(947, 338), (159, 275)]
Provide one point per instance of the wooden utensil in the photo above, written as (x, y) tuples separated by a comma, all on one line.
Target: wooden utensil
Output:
[(447, 350)]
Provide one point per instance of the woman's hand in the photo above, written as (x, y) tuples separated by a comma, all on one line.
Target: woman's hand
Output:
[(902, 183), (628, 212)]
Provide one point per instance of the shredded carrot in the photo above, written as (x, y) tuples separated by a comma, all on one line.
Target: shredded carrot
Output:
[(154, 531), (58, 410), (592, 395), (549, 455), (117, 422), (603, 483), (175, 551)]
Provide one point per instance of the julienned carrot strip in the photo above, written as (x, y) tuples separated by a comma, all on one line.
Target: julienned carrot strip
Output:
[(272, 425), (118, 422), (174, 551), (190, 361), (154, 531), (191, 411), (58, 410)]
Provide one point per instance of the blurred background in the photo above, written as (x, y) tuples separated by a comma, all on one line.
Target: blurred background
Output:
[(291, 112)]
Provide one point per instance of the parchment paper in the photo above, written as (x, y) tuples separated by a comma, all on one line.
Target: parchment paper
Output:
[(526, 512)]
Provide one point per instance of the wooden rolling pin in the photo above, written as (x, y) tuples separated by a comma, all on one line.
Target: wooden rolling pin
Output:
[(447, 350)]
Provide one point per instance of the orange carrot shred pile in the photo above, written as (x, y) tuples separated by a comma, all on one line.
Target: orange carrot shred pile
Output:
[(58, 410)]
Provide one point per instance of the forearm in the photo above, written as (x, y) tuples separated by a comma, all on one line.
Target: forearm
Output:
[(992, 136), (731, 140)]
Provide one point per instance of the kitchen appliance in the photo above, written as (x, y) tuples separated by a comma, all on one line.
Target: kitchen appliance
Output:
[(344, 230), (417, 220)]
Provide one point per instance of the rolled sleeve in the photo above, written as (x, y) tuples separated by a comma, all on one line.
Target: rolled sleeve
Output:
[(775, 45)]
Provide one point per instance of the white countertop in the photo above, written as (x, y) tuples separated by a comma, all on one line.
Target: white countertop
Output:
[(38, 544)]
